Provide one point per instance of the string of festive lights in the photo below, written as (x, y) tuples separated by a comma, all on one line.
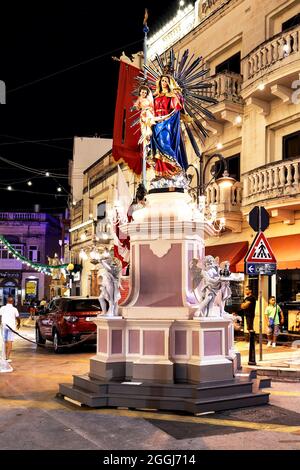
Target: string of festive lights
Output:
[(29, 169), (41, 267)]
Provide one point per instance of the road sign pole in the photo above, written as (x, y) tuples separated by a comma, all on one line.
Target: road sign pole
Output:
[(260, 298), (260, 317)]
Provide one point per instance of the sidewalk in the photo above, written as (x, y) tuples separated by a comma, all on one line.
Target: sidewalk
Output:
[(280, 362)]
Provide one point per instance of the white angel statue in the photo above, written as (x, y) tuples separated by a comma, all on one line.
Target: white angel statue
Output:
[(111, 284)]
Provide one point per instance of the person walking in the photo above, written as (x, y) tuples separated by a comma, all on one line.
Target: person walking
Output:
[(9, 316), (248, 308), (275, 318)]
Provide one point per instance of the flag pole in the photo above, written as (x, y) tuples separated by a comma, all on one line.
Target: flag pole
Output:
[(145, 31)]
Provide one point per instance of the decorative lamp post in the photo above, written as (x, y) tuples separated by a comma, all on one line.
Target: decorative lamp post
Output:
[(225, 181)]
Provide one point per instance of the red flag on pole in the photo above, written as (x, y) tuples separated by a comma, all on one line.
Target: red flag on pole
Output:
[(125, 142)]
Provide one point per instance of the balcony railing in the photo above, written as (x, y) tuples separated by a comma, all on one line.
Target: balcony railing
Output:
[(225, 86), (225, 203), (231, 197), (272, 181), (271, 54), (23, 216)]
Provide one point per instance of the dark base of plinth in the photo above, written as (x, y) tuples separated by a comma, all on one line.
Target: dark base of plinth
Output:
[(197, 398)]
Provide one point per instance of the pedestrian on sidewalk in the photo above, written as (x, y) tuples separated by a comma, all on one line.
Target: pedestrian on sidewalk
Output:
[(248, 308), (275, 318), (32, 310), (9, 316)]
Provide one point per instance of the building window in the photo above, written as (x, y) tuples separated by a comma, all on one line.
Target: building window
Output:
[(291, 146), (5, 254), (34, 254), (290, 23), (232, 64), (101, 210), (233, 165)]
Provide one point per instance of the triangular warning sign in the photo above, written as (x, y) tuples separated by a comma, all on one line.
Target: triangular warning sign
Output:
[(260, 251)]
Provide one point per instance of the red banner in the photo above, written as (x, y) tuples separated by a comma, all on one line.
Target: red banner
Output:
[(125, 140)]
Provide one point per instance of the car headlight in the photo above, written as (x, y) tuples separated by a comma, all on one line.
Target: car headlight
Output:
[(70, 318)]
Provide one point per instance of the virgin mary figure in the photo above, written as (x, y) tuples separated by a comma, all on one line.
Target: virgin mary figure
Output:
[(167, 150)]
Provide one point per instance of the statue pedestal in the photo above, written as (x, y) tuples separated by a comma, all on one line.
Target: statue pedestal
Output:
[(166, 351), (157, 354)]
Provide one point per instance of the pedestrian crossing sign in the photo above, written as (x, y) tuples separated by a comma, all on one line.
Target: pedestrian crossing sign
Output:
[(260, 251)]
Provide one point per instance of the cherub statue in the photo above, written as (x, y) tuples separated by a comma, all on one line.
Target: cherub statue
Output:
[(196, 273), (225, 269), (211, 286), (144, 103), (225, 292), (206, 284), (111, 284)]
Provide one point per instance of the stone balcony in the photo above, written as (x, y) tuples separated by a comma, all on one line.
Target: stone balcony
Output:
[(227, 203), (272, 63), (276, 186), (225, 86), (226, 89)]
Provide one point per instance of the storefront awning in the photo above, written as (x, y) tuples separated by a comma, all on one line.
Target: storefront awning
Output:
[(232, 252), (287, 251)]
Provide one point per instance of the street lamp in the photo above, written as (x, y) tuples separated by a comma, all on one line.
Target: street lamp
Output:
[(225, 181)]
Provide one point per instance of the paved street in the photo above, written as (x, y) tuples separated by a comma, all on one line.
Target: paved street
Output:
[(32, 417)]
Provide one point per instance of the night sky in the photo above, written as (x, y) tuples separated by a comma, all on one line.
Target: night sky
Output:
[(43, 38)]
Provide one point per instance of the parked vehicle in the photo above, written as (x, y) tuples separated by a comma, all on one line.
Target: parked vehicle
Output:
[(66, 321)]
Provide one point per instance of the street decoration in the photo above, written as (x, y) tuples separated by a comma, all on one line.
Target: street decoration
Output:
[(171, 93), (125, 142), (211, 285), (41, 267), (110, 285)]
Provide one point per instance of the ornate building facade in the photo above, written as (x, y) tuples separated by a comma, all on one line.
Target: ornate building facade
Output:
[(252, 49)]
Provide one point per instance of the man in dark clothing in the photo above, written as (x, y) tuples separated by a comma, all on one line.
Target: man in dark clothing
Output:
[(248, 308)]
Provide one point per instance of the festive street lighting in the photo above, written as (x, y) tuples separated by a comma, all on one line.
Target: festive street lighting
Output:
[(225, 181)]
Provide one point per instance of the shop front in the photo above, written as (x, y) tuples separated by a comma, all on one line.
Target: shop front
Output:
[(31, 290), (10, 285), (287, 283)]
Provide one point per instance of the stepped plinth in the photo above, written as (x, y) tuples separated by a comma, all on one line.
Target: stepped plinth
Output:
[(158, 344)]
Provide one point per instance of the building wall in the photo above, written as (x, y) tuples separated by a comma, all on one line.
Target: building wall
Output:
[(86, 151), (28, 229), (99, 185)]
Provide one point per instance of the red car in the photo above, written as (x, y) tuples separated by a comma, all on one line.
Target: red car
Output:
[(66, 321)]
